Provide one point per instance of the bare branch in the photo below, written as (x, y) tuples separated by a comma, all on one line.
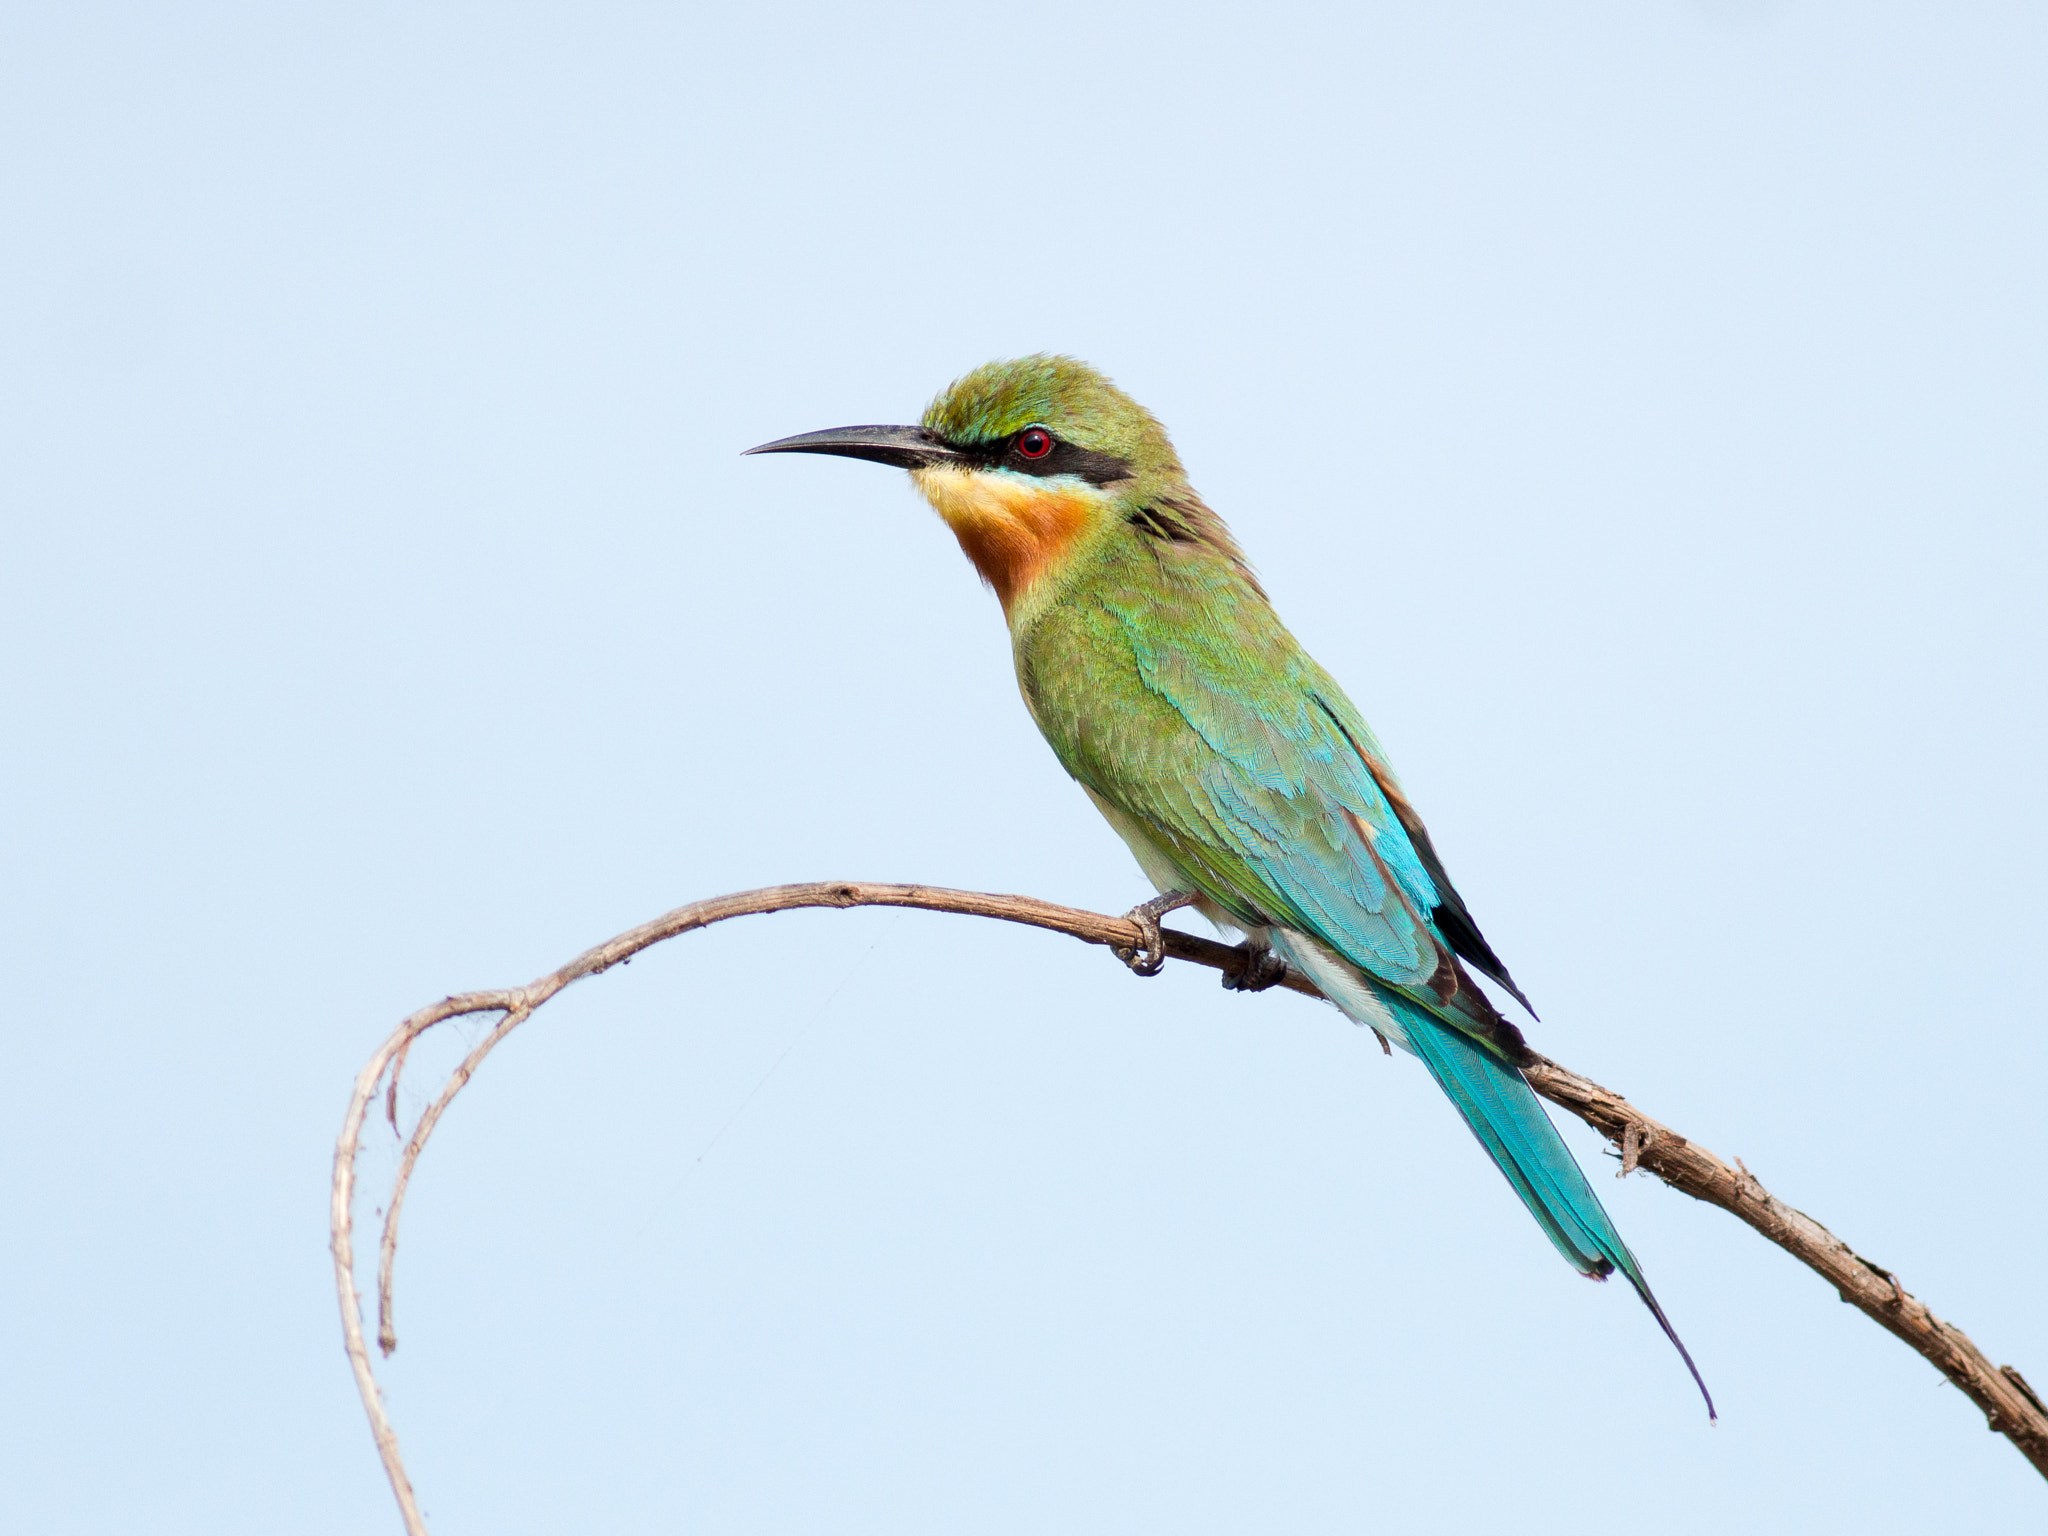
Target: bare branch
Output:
[(387, 1255), (2009, 1404)]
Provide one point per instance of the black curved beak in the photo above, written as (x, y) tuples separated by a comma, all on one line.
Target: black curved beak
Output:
[(904, 447)]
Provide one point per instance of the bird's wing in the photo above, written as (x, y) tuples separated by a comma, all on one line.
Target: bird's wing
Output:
[(1451, 917), (1266, 786)]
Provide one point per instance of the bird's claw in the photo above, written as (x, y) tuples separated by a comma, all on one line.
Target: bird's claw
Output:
[(1148, 958), (1259, 969)]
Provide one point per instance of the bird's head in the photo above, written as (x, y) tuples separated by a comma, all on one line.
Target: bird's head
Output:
[(1032, 461)]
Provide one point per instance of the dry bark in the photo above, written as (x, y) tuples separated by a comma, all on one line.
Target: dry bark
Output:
[(2009, 1404)]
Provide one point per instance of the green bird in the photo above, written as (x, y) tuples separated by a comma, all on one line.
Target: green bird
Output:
[(1241, 776)]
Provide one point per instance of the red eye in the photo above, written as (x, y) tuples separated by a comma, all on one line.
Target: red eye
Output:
[(1034, 443)]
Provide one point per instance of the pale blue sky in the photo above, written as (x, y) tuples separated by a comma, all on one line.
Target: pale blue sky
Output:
[(1639, 407)]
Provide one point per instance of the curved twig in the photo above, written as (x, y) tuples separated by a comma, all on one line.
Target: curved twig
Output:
[(387, 1250), (2008, 1403)]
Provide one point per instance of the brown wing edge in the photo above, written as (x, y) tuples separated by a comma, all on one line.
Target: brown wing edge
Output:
[(1452, 919)]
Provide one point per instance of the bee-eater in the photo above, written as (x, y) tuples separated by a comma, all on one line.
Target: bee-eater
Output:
[(1242, 778)]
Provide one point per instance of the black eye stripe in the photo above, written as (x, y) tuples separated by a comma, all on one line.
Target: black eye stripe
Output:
[(1062, 458)]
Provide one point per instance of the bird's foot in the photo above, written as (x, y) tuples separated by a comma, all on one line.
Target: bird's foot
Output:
[(1259, 969), (1149, 957)]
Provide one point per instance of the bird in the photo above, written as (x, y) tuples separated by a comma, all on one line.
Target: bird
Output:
[(1243, 779)]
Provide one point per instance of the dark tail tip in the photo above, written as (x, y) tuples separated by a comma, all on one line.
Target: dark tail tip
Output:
[(1678, 1344)]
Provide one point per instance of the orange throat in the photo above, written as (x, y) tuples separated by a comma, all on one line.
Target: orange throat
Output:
[(1013, 528)]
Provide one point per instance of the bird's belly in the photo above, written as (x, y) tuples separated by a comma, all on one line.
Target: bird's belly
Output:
[(1158, 865)]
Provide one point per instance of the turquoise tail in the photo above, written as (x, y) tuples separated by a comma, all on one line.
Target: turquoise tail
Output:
[(1511, 1124)]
